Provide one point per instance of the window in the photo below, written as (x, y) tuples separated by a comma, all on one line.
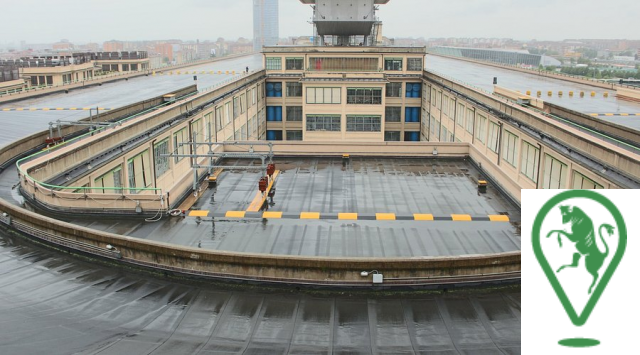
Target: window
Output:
[(494, 134), (393, 90), (445, 105), (364, 96), (294, 113), (161, 149), (196, 128), (444, 134), (294, 63), (481, 128), (254, 96), (323, 95), (294, 135), (294, 89), (274, 63), (343, 64), (219, 118), (323, 123), (412, 114), (460, 115), (208, 125), (439, 100), (393, 64), (414, 64), (134, 67), (510, 148), (274, 89), (392, 136), (452, 108), (364, 124), (125, 67), (227, 113), (110, 180), (432, 124), (138, 170), (414, 90), (182, 136), (469, 125), (243, 103), (236, 107), (555, 173), (49, 80), (433, 97), (392, 114), (582, 182), (530, 161)]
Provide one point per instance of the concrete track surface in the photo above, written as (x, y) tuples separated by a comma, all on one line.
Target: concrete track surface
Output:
[(51, 303)]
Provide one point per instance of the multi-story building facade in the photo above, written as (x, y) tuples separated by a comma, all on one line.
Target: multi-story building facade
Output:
[(363, 94), (265, 23)]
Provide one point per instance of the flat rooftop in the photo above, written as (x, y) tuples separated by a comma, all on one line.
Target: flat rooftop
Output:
[(328, 187)]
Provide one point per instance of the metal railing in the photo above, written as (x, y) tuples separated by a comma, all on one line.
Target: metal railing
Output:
[(24, 173)]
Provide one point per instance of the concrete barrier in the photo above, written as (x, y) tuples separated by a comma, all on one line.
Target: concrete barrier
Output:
[(315, 271)]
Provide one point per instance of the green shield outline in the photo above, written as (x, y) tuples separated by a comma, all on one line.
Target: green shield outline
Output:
[(581, 319)]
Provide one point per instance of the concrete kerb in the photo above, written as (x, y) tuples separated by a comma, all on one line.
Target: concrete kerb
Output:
[(282, 268)]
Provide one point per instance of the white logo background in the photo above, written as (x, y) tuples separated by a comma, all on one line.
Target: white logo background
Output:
[(614, 319)]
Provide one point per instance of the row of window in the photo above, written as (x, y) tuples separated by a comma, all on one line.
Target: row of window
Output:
[(344, 64), (294, 89), (393, 114), (333, 123)]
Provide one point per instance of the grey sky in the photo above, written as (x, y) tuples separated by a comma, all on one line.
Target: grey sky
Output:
[(41, 21)]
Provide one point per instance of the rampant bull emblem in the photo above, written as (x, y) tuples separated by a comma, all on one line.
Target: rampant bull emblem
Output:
[(583, 235)]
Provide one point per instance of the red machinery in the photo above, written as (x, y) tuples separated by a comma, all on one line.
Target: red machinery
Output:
[(263, 183)]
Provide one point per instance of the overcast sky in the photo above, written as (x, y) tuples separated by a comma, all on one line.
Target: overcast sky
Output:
[(41, 21)]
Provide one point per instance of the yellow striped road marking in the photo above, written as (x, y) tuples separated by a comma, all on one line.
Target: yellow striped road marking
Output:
[(624, 114), (86, 108), (498, 218), (595, 114), (20, 109), (385, 216), (235, 214), (309, 215), (101, 108), (275, 215), (608, 114), (59, 108), (33, 109), (350, 216), (461, 217), (637, 114), (46, 109), (73, 108), (422, 217), (6, 109), (198, 213)]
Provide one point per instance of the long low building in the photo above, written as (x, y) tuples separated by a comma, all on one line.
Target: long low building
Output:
[(509, 57)]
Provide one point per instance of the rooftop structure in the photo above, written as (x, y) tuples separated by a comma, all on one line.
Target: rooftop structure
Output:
[(266, 30), (346, 22), (510, 57)]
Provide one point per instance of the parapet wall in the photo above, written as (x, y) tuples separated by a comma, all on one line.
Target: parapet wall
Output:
[(261, 268)]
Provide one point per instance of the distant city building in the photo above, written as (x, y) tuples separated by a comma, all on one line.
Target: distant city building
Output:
[(265, 23), (113, 46)]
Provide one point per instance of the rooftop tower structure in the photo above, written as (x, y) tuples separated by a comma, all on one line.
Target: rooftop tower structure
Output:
[(265, 23), (346, 22)]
